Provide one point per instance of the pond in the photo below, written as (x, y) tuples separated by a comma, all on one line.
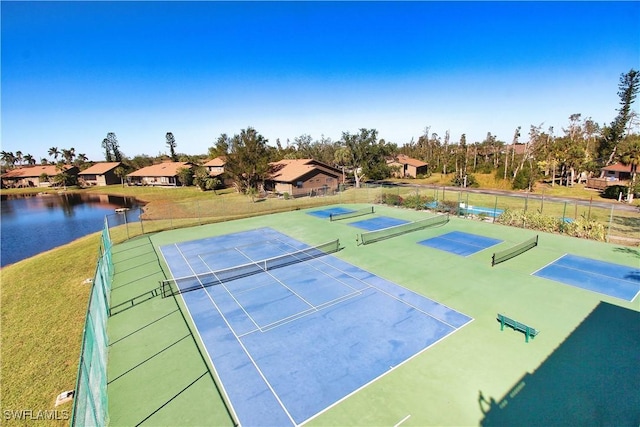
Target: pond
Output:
[(32, 224)]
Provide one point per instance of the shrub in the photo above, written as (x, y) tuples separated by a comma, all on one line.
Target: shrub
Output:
[(586, 229), (522, 180), (416, 201), (389, 199), (613, 191), (529, 219), (448, 206), (471, 181)]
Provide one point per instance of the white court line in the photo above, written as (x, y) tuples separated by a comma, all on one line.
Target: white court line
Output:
[(369, 285), (403, 420), (279, 281), (197, 331), (253, 362), (302, 314), (587, 271), (548, 264), (391, 369)]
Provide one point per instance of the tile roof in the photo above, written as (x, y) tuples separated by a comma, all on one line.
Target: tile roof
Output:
[(100, 168), (162, 169), (617, 167), (406, 160), (34, 171), (218, 161), (289, 170)]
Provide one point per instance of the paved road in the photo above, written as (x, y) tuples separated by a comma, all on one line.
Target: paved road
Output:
[(600, 204)]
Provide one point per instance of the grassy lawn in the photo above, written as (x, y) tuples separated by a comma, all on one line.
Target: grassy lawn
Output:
[(44, 302)]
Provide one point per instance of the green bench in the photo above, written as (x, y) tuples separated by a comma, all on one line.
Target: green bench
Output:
[(517, 326)]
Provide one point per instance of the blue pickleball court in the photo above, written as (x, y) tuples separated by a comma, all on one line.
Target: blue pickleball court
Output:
[(615, 280), (460, 243), (290, 342), (326, 213), (378, 223)]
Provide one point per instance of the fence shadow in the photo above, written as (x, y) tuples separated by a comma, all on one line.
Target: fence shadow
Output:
[(592, 378)]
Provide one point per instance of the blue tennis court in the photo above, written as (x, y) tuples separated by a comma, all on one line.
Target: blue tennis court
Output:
[(459, 243), (290, 342), (378, 223), (615, 280), (326, 213)]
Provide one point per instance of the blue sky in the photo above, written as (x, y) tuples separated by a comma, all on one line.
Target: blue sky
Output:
[(74, 71)]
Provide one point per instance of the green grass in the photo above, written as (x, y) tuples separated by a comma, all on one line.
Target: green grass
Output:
[(44, 304)]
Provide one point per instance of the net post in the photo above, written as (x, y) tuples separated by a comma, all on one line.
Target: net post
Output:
[(526, 334), (501, 323), (493, 260)]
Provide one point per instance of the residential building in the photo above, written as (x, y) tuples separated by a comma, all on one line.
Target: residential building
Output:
[(405, 166), (615, 174), (162, 174), (34, 176), (303, 177), (100, 174)]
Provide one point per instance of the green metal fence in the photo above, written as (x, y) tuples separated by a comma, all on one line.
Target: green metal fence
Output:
[(621, 225), (90, 406)]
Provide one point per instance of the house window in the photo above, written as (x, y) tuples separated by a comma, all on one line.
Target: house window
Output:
[(329, 180), (299, 184)]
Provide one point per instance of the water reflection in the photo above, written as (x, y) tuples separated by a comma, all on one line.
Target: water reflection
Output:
[(32, 224)]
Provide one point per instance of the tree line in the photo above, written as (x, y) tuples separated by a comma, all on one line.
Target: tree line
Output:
[(561, 156)]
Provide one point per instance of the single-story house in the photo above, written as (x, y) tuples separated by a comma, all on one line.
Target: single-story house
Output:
[(34, 176), (303, 177), (407, 167), (100, 174), (162, 174), (615, 174)]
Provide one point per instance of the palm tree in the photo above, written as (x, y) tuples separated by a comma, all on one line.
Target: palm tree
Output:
[(29, 159), (19, 157), (54, 152), (81, 159), (68, 155), (8, 158)]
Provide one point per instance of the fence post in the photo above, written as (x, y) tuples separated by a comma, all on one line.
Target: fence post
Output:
[(495, 209), (610, 221), (564, 213), (126, 224), (141, 220)]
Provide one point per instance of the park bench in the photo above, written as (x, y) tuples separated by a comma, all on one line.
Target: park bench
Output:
[(517, 326)]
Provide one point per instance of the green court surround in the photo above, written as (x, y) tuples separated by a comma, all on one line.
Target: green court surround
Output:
[(157, 375)]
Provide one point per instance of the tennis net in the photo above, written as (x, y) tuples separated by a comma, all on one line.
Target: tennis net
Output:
[(386, 233), (181, 285), (352, 214), (514, 251)]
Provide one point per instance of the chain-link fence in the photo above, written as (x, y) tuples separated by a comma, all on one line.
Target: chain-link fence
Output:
[(90, 407), (619, 223)]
